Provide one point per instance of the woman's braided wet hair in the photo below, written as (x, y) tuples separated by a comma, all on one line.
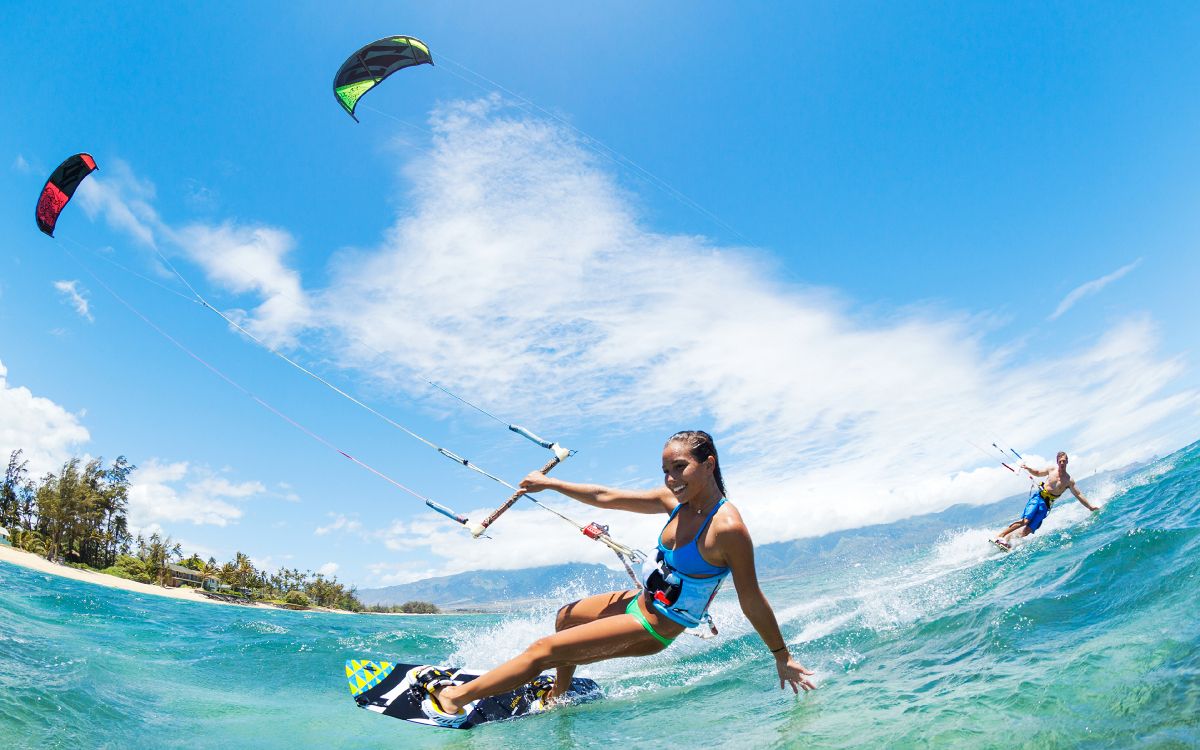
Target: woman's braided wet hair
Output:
[(700, 444)]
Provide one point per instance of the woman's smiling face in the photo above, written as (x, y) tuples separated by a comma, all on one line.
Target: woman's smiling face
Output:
[(684, 476)]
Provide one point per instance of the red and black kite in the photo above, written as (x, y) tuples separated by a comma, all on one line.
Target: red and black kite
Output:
[(59, 189)]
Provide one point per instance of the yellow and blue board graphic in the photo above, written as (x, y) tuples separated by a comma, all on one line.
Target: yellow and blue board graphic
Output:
[(364, 675)]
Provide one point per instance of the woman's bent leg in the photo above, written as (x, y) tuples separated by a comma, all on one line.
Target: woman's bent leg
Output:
[(606, 638), (592, 608), (588, 609)]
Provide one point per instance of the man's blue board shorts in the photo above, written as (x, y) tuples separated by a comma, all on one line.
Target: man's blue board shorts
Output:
[(1035, 511)]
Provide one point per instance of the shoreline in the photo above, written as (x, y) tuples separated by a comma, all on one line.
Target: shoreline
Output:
[(32, 561)]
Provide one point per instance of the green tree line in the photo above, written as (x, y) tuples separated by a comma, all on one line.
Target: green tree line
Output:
[(77, 516), (408, 608)]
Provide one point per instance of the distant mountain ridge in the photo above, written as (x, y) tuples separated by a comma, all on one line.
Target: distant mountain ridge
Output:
[(782, 559), (497, 590)]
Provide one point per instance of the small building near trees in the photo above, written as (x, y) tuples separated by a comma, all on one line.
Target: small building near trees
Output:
[(183, 576)]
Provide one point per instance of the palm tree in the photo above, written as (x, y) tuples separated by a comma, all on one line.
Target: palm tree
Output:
[(30, 541), (244, 572), (206, 570), (159, 554)]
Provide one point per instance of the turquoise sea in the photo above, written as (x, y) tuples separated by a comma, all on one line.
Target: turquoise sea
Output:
[(1087, 636)]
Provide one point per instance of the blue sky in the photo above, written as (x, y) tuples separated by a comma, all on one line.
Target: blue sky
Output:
[(905, 228)]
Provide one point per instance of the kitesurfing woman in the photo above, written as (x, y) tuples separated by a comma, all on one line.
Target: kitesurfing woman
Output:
[(704, 540)]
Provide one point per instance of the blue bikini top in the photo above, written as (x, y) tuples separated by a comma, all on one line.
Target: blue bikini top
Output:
[(687, 559)]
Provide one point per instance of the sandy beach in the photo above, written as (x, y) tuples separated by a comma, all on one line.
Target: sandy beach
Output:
[(41, 564)]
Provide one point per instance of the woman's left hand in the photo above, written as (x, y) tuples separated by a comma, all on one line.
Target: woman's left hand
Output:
[(534, 481), (793, 673)]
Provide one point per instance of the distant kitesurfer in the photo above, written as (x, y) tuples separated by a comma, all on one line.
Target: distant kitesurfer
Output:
[(1057, 482), (704, 540)]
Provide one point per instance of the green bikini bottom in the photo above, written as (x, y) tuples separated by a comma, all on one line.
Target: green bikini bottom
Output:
[(636, 611)]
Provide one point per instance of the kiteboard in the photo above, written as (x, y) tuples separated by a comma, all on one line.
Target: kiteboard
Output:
[(1001, 545), (385, 688)]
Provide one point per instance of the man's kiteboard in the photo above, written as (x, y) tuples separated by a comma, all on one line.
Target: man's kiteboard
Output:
[(1007, 547), (387, 688)]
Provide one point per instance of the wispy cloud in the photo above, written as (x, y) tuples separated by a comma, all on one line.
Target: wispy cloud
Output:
[(1092, 287), (200, 197), (47, 433), (70, 290), (394, 573), (250, 260), (124, 200), (178, 492), (241, 259), (828, 418), (519, 267), (339, 523)]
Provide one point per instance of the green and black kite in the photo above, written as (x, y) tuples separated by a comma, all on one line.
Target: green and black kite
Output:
[(369, 66)]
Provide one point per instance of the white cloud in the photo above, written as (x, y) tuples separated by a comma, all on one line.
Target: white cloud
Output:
[(1092, 287), (520, 268), (190, 548), (70, 290), (270, 563), (21, 165), (177, 492), (395, 573), (328, 570), (124, 200), (47, 433), (340, 523), (243, 260), (250, 260), (200, 197), (149, 530)]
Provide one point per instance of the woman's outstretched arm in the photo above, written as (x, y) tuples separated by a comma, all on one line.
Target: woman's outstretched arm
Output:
[(658, 500), (738, 549)]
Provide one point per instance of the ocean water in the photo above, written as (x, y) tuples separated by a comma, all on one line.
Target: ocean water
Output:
[(1086, 636)]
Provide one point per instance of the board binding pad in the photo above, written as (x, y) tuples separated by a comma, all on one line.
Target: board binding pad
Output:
[(385, 688), (1001, 545)]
